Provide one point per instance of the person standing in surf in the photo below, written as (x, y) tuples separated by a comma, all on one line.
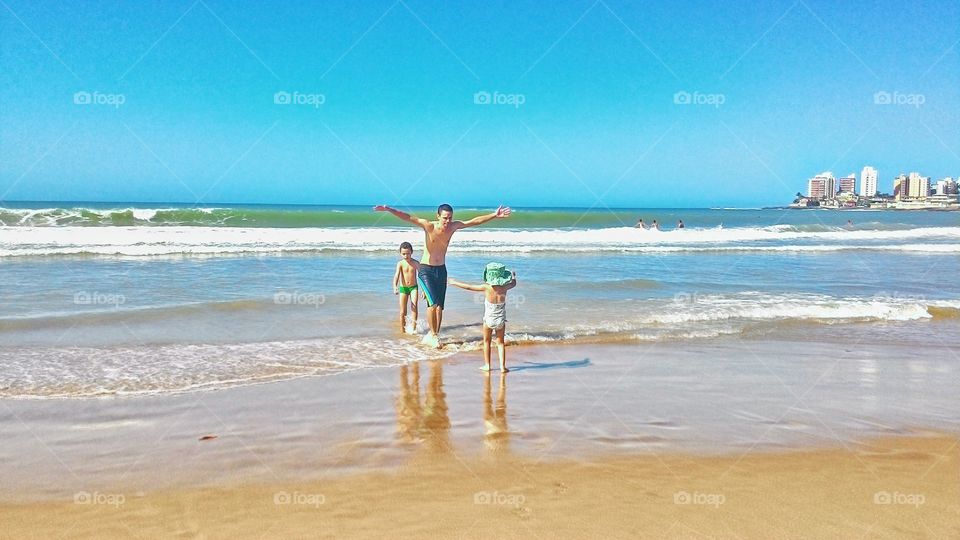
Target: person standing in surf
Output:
[(432, 274)]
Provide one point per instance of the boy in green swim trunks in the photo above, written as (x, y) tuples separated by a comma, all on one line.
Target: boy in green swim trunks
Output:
[(405, 285)]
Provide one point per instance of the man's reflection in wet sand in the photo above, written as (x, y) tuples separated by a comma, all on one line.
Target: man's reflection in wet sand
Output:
[(428, 420), (496, 436), (408, 403)]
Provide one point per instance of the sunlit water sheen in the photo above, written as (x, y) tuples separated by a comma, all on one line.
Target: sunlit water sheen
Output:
[(155, 305)]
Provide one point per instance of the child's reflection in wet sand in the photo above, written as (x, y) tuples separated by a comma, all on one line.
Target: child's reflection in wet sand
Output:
[(496, 436)]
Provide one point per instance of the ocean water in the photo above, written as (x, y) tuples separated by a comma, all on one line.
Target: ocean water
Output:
[(140, 299)]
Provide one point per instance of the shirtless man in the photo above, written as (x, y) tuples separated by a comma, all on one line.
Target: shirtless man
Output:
[(432, 274)]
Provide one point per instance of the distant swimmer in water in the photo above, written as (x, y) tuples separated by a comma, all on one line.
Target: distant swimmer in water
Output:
[(640, 224), (849, 224), (655, 226), (680, 224)]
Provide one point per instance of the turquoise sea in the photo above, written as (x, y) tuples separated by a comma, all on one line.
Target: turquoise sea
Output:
[(117, 299)]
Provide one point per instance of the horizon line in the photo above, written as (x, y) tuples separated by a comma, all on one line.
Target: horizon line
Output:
[(223, 203)]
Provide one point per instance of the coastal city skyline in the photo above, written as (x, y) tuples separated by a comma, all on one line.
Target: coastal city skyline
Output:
[(907, 190)]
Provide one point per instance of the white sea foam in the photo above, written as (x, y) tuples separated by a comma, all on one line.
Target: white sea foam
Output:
[(141, 241), (50, 371), (143, 214), (764, 307), (90, 371)]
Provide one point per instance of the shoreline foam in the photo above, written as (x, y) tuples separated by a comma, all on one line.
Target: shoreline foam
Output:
[(559, 402), (136, 369)]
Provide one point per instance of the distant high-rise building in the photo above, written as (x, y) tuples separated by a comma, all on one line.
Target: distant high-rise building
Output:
[(941, 188), (848, 184), (919, 186), (946, 186), (822, 186), (816, 188), (868, 182), (901, 185)]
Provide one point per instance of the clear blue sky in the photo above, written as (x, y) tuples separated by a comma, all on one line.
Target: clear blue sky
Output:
[(399, 125)]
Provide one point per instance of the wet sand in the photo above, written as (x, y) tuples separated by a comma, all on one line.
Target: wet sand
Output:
[(676, 440), (889, 488)]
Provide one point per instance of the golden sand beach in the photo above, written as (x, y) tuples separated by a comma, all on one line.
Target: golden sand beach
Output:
[(438, 450), (904, 487)]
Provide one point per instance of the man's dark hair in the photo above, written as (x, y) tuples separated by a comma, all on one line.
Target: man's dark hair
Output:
[(406, 245), (443, 207)]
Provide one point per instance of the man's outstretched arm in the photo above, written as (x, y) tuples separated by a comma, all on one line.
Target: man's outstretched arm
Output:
[(502, 212), (402, 215)]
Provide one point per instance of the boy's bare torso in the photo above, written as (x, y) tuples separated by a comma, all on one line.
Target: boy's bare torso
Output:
[(437, 242), (408, 272)]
